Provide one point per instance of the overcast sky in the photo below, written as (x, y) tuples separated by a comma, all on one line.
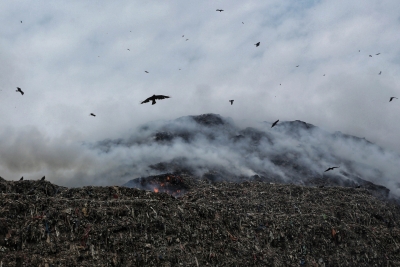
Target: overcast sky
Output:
[(71, 59)]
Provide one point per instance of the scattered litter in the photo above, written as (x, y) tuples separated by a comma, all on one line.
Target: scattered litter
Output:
[(211, 224)]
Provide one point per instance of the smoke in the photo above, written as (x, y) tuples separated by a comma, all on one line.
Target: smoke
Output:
[(206, 145)]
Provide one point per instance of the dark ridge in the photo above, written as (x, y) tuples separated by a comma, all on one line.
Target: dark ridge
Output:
[(209, 119)]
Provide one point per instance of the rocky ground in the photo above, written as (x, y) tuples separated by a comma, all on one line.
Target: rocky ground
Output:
[(207, 224)]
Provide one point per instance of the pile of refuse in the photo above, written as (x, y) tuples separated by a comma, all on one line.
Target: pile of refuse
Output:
[(213, 224)]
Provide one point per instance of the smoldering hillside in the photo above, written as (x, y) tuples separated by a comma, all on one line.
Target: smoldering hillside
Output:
[(214, 147)]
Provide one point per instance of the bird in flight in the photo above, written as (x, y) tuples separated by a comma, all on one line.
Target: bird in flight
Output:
[(392, 98), (187, 39), (378, 54), (370, 56), (21, 21), (297, 66), (257, 44), (330, 168), (183, 35), (220, 10), (42, 178), (22, 178), (274, 123), (323, 75), (154, 98), (380, 73), (242, 22), (128, 49), (231, 101), (91, 114), (146, 71), (19, 90)]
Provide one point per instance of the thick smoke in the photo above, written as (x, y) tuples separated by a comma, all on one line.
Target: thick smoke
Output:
[(206, 145)]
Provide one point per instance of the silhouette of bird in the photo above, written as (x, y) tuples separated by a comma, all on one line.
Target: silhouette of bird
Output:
[(231, 101), (43, 178), (183, 35), (378, 54), (257, 44), (220, 10), (359, 50), (297, 66), (323, 75), (242, 22), (22, 178), (146, 71), (330, 168), (274, 123), (128, 49), (21, 21), (187, 39), (380, 73), (19, 90), (370, 56), (392, 98), (91, 114), (154, 98)]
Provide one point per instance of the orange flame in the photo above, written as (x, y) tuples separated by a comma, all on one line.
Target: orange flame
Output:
[(156, 190)]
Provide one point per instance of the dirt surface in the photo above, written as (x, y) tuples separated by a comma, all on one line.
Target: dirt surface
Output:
[(212, 224)]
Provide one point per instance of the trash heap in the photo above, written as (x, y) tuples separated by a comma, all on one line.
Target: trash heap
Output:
[(212, 224)]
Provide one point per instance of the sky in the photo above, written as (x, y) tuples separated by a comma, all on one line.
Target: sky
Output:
[(71, 59)]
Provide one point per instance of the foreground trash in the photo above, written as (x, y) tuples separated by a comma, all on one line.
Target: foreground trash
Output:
[(212, 224)]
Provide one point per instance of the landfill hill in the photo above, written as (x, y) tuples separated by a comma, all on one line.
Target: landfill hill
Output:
[(214, 147), (250, 223)]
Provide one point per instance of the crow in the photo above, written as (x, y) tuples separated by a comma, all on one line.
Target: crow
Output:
[(19, 90), (330, 168), (392, 98), (231, 101), (274, 123), (220, 10), (380, 73), (43, 178), (257, 44), (154, 98), (146, 71), (22, 178), (370, 56), (91, 114), (378, 54)]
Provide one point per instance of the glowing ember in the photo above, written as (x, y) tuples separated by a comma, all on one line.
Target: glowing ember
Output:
[(156, 190)]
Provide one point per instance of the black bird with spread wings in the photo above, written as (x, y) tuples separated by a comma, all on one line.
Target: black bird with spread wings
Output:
[(220, 10), (44, 177), (154, 98), (257, 44), (274, 123), (330, 169), (378, 54), (91, 114), (392, 98), (19, 90), (231, 101)]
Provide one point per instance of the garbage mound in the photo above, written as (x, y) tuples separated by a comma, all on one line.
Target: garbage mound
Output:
[(213, 224)]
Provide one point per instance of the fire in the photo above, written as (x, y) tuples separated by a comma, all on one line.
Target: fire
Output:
[(156, 190)]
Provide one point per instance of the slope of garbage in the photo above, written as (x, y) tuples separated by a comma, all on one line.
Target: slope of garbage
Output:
[(251, 223)]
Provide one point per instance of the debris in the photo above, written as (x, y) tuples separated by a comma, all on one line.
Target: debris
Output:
[(207, 224)]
